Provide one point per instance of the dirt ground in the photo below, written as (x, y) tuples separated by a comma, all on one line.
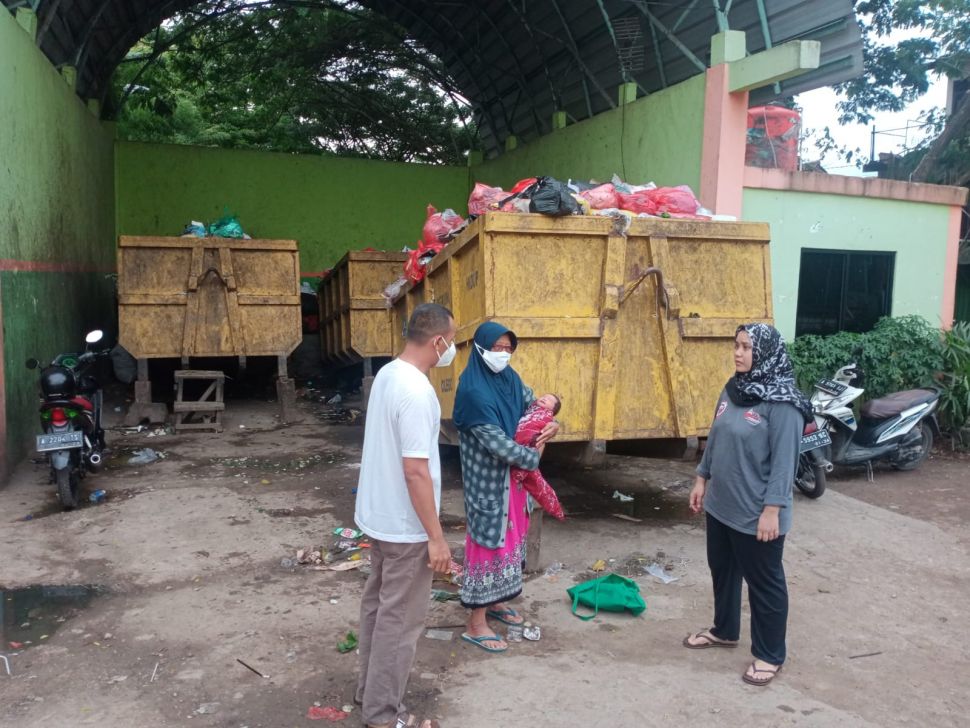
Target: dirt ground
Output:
[(186, 557)]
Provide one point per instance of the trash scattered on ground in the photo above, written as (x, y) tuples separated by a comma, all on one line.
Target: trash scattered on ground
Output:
[(16, 645), (624, 517), (251, 668), (531, 632), (98, 496), (208, 708), (346, 552), (598, 565), (347, 708), (145, 456), (349, 643), (287, 563), (656, 570), (160, 432), (443, 595), (617, 495), (336, 399), (6, 664), (867, 654), (514, 633), (555, 568), (439, 634), (328, 713)]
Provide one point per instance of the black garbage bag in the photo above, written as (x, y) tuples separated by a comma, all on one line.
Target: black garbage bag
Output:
[(549, 196)]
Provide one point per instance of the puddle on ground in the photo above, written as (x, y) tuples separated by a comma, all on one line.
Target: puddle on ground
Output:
[(53, 507), (31, 615), (645, 506), (278, 465)]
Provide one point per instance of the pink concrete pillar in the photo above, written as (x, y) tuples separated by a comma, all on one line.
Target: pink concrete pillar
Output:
[(948, 307), (725, 134)]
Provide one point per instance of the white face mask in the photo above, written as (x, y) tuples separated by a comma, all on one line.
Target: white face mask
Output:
[(495, 360), (444, 360)]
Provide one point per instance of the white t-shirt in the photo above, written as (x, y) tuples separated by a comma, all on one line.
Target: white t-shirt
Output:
[(403, 420)]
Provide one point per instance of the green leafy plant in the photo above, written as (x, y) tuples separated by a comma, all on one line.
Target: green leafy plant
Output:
[(899, 353), (954, 379)]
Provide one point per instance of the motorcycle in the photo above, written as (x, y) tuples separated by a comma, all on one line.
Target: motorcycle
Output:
[(897, 428), (70, 416)]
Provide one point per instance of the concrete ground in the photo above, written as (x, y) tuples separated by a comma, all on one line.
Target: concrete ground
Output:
[(187, 552)]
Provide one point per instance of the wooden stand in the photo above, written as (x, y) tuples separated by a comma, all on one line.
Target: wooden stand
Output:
[(204, 413), (143, 408)]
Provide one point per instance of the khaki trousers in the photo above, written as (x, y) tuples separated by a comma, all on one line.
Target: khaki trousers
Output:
[(392, 614)]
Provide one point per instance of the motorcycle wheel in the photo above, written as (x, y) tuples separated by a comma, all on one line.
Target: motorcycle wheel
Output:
[(926, 445), (67, 488), (810, 477)]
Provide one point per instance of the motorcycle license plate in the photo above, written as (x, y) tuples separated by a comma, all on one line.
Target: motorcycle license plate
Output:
[(60, 441), (830, 386), (819, 438)]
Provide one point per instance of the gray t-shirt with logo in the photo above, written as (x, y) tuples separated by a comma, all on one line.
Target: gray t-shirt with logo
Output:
[(750, 461)]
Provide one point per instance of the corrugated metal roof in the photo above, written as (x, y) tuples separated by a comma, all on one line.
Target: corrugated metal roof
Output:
[(517, 61)]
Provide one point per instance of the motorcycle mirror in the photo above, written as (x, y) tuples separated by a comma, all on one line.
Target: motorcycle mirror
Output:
[(94, 337), (32, 363)]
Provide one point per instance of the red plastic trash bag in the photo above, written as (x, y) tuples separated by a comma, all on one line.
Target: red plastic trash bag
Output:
[(522, 184), (603, 197), (484, 198), (660, 201), (416, 264), (639, 201), (440, 227), (678, 199)]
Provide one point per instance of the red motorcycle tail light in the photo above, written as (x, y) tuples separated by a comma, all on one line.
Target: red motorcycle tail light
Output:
[(58, 417)]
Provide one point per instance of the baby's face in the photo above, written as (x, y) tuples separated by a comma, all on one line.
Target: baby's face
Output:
[(547, 402)]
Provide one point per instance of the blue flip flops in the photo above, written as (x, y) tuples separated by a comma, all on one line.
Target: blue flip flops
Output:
[(480, 642), (502, 616)]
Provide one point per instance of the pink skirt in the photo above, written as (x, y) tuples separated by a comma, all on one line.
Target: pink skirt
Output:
[(495, 575)]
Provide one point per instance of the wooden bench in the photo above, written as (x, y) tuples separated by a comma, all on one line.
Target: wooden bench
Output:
[(205, 413)]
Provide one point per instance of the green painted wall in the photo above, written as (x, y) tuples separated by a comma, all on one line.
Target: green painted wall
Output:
[(329, 204), (56, 206), (658, 138), (916, 232)]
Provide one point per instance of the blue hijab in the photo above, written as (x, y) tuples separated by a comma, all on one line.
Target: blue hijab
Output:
[(484, 397)]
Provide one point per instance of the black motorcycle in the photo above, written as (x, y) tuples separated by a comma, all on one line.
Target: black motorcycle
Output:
[(70, 415)]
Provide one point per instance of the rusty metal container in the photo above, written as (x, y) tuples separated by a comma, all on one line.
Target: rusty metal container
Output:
[(200, 297), (633, 327), (354, 319)]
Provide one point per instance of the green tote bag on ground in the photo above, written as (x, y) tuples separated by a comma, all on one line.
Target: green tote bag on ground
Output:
[(611, 593)]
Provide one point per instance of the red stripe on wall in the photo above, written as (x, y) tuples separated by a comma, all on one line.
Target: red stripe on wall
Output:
[(46, 266)]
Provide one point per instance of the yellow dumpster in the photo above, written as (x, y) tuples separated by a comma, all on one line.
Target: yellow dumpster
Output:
[(353, 313), (633, 327), (208, 297)]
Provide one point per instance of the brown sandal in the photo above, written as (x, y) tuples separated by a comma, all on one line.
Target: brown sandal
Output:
[(709, 641), (755, 670)]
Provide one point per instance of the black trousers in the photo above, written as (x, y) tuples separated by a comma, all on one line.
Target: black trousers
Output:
[(734, 556)]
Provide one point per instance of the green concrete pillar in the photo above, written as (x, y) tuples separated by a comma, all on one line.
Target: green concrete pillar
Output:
[(728, 46), (511, 142), (70, 76), (627, 93), (27, 19), (559, 120)]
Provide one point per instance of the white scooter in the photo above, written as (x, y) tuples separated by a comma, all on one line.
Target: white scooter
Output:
[(897, 428)]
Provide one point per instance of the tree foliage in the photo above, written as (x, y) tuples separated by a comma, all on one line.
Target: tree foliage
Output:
[(321, 76), (906, 44)]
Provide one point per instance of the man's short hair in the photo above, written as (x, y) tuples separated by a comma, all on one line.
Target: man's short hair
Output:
[(427, 321)]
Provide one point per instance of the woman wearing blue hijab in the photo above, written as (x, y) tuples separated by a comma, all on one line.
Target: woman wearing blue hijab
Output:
[(490, 400)]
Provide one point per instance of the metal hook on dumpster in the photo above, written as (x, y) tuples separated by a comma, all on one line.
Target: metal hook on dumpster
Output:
[(663, 296), (228, 281)]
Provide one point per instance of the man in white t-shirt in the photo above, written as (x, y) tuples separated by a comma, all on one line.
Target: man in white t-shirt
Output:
[(398, 500)]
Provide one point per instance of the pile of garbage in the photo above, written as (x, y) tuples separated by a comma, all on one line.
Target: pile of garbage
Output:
[(227, 226), (347, 551), (547, 196)]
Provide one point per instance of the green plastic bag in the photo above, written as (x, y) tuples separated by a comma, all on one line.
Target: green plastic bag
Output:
[(611, 593), (226, 227)]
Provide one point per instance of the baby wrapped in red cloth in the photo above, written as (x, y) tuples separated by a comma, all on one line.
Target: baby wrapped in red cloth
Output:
[(539, 414)]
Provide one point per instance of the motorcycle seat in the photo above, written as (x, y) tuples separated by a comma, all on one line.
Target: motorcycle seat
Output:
[(894, 404), (83, 403)]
